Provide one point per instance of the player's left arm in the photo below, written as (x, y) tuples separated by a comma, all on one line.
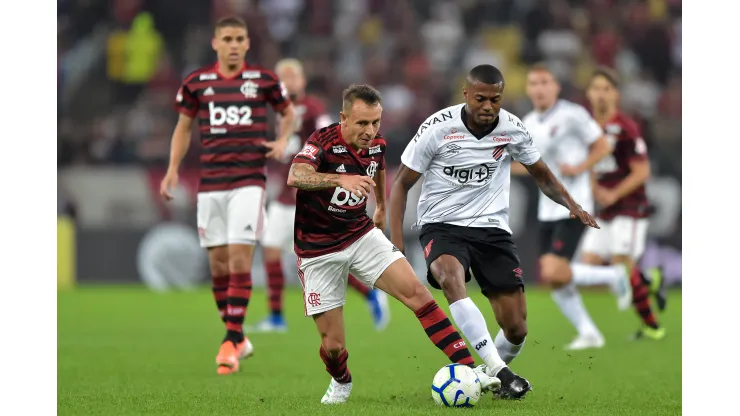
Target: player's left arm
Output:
[(379, 217), (639, 171), (277, 96), (524, 151)]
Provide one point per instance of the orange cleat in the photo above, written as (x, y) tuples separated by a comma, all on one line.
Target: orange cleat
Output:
[(227, 359), (244, 349)]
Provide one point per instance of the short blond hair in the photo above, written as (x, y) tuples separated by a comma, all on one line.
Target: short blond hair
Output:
[(289, 63)]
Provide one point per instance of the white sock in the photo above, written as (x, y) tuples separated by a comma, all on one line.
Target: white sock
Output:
[(470, 320), (570, 303), (506, 350), (591, 275)]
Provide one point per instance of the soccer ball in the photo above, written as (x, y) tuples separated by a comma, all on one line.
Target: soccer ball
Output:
[(456, 385)]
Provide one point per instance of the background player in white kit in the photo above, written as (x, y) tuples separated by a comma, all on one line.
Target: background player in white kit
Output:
[(571, 143), (464, 153)]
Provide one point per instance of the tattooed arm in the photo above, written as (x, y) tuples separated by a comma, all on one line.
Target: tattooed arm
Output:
[(304, 176)]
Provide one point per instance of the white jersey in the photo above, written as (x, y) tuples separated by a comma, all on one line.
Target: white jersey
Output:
[(467, 179), (563, 134)]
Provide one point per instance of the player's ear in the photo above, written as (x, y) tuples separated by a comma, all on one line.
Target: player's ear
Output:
[(343, 119), (213, 43), (465, 93)]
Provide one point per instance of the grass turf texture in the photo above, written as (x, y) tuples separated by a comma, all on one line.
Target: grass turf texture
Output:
[(127, 351)]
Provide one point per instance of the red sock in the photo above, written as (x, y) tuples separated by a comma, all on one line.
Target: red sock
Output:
[(641, 299), (443, 334), (336, 366), (237, 301), (358, 286), (220, 284), (275, 286)]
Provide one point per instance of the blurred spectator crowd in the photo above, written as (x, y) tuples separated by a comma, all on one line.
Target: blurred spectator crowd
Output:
[(120, 62)]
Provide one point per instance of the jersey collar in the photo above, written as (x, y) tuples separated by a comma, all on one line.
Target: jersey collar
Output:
[(464, 118)]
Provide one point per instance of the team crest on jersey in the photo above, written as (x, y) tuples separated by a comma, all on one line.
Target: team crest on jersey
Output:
[(498, 153), (309, 151), (251, 74), (373, 150), (249, 89), (372, 169), (207, 77)]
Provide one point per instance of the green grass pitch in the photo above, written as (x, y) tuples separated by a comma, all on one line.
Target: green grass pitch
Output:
[(127, 351)]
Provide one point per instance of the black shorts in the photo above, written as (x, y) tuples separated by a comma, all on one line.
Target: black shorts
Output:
[(561, 237), (488, 253)]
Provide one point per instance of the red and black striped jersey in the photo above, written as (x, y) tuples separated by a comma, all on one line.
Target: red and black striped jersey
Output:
[(310, 115), (231, 114), (624, 135), (330, 220)]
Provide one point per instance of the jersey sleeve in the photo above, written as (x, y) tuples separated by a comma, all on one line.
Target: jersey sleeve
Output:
[(633, 146), (311, 154), (276, 94), (421, 150), (585, 127), (186, 102), (522, 148)]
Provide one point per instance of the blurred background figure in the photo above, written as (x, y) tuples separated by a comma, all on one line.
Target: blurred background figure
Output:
[(120, 63)]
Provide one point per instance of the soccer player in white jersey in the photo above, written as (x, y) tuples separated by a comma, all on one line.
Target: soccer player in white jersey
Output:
[(571, 142), (464, 153)]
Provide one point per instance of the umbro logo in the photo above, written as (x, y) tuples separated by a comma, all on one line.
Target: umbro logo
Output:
[(208, 91), (248, 228), (395, 249), (341, 169)]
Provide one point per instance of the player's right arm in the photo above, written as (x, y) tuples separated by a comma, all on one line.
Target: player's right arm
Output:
[(414, 161), (303, 174), (518, 169), (187, 105)]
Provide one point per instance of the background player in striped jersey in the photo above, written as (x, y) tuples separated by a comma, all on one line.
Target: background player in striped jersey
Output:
[(620, 194), (310, 116), (571, 143), (229, 101), (338, 168)]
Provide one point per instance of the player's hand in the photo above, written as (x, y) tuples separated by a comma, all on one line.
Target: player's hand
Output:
[(276, 149), (586, 218), (379, 219), (604, 197), (568, 170), (168, 184), (359, 186)]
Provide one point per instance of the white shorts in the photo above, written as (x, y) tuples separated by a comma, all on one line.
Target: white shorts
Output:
[(279, 227), (324, 278), (231, 217), (621, 236)]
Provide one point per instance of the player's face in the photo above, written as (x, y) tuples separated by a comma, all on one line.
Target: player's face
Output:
[(483, 101), (601, 94), (542, 89), (361, 124), (231, 45), (294, 80)]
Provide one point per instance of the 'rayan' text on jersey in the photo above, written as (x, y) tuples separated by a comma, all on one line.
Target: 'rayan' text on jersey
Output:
[(466, 179)]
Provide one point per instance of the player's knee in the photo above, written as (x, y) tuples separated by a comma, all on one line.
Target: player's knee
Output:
[(218, 261), (240, 261), (331, 345), (271, 255), (554, 270), (516, 330), (451, 278), (419, 295)]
